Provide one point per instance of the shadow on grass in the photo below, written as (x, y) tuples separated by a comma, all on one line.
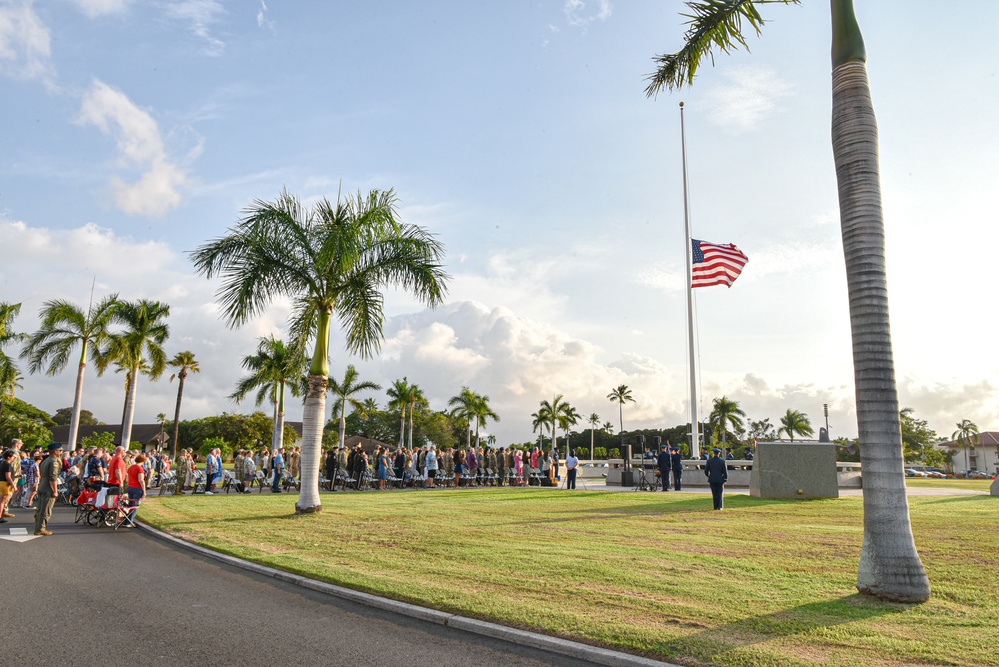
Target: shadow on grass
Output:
[(710, 645), (659, 505)]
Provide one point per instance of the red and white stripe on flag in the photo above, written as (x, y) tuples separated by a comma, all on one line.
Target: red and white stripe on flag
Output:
[(715, 264)]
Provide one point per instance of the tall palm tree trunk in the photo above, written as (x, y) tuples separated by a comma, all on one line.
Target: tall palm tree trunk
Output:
[(312, 435), (412, 409), (889, 564), (343, 422), (402, 426), (279, 419), (176, 413), (74, 418), (129, 413)]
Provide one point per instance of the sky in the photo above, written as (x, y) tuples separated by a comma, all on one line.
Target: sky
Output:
[(131, 132)]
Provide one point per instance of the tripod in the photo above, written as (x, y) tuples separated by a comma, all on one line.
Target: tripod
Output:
[(644, 484)]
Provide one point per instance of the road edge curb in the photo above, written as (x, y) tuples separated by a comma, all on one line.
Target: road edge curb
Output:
[(565, 647)]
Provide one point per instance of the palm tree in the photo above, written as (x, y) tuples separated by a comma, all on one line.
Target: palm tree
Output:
[(889, 563), (416, 401), (482, 413), (345, 391), (552, 411), (332, 260), (274, 367), (966, 434), (142, 340), (185, 363), (539, 421), (795, 422), (10, 374), (726, 412), (63, 325), (399, 395), (463, 408), (10, 381), (621, 395), (594, 422), (567, 418)]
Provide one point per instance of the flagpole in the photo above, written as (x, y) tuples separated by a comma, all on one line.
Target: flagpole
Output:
[(694, 424)]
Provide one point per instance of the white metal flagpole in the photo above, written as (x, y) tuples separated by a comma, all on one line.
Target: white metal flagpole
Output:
[(694, 424)]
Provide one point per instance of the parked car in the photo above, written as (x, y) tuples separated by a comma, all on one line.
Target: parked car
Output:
[(978, 474), (909, 472), (935, 473)]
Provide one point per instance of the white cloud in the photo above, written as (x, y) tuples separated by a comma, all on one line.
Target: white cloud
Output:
[(200, 15), (95, 8), (748, 95), (262, 20), (581, 13), (25, 43), (140, 145)]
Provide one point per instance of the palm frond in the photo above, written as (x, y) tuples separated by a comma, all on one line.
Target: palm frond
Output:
[(713, 23)]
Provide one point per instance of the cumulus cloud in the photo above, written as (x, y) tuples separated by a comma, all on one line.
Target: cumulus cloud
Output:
[(140, 146), (581, 13), (25, 43), (746, 97), (95, 8), (517, 362), (200, 15)]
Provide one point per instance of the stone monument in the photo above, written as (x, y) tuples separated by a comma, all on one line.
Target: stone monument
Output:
[(994, 489), (794, 470)]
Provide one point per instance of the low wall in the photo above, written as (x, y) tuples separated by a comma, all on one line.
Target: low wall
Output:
[(739, 473)]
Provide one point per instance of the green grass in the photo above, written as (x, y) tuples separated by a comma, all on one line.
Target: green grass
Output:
[(764, 583), (937, 483)]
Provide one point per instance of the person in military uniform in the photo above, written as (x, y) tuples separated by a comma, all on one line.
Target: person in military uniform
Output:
[(676, 464), (48, 488), (178, 487), (664, 464), (717, 473), (15, 474)]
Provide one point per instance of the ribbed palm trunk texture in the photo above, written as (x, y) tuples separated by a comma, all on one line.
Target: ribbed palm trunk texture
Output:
[(176, 413), (312, 436), (129, 414), (74, 418), (889, 564)]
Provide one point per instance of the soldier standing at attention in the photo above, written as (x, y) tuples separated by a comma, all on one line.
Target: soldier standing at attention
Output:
[(676, 463), (48, 488), (663, 462), (717, 473)]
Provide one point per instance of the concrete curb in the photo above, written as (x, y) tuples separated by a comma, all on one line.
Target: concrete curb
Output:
[(568, 648)]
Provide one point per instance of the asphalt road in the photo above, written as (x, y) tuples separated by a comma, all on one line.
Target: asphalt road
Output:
[(93, 596)]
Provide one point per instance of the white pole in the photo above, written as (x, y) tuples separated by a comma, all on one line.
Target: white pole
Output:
[(694, 424)]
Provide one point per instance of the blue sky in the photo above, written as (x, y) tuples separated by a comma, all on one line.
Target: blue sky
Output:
[(519, 133)]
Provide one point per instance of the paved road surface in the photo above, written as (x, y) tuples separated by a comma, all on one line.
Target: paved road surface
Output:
[(125, 598)]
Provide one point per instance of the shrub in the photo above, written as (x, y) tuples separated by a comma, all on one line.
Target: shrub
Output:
[(103, 440), (599, 452), (212, 443), (613, 453)]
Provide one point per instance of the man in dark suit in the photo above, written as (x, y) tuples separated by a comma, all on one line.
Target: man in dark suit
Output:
[(676, 464), (717, 474), (663, 462)]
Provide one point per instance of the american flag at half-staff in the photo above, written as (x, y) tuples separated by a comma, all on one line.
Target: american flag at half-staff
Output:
[(715, 264)]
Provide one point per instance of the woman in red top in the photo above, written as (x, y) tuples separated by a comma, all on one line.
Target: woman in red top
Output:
[(136, 475)]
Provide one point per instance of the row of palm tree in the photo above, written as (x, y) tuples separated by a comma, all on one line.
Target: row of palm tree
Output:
[(135, 346)]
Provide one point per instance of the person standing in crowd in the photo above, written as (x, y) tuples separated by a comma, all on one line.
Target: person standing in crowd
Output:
[(136, 489), (15, 469), (676, 464), (29, 469), (48, 488), (571, 464), (459, 467), (6, 484), (717, 473), (116, 468), (331, 466), (518, 466), (431, 463), (97, 467), (277, 467), (546, 468), (664, 465), (555, 463)]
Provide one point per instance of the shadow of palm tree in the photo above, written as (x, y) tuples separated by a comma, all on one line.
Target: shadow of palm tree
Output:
[(711, 644)]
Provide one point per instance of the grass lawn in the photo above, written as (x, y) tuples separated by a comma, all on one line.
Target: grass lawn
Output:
[(936, 483), (763, 583)]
